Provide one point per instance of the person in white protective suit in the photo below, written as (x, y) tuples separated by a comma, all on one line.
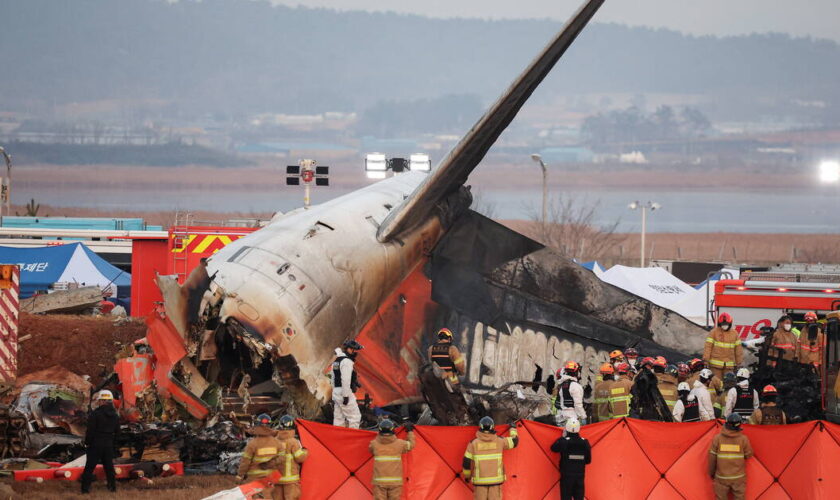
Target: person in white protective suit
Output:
[(344, 382)]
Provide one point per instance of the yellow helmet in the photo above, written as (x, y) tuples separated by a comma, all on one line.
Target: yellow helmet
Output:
[(444, 334)]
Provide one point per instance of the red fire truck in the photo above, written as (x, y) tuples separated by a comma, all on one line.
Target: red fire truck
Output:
[(757, 300)]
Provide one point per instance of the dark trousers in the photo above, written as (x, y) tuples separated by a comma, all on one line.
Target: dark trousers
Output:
[(571, 487), (96, 454)]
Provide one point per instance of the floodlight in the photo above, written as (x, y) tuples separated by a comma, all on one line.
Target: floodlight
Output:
[(829, 171)]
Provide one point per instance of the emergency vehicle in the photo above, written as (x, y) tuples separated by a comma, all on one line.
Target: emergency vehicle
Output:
[(758, 299)]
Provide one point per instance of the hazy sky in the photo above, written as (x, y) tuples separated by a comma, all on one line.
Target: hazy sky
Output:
[(819, 18)]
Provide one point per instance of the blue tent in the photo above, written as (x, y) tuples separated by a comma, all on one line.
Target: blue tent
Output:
[(40, 267)]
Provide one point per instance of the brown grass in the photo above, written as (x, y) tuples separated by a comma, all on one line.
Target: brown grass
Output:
[(169, 488)]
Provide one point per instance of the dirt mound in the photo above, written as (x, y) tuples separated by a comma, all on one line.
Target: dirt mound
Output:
[(85, 345)]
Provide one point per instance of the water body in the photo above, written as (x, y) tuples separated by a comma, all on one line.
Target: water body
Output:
[(682, 212)]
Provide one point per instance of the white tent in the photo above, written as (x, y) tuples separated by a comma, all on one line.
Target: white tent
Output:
[(652, 283)]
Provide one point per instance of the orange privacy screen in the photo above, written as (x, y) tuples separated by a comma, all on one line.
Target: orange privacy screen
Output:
[(631, 459)]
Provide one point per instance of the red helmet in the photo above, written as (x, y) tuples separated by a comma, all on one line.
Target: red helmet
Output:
[(648, 361), (769, 390), (810, 316), (724, 318), (696, 364), (630, 352), (683, 370), (660, 361), (622, 368), (616, 355), (607, 369)]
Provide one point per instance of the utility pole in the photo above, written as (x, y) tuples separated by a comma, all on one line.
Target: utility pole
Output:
[(6, 185), (644, 207), (537, 158)]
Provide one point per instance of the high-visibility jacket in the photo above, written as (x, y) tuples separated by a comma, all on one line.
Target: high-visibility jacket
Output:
[(261, 454), (449, 359), (601, 401), (723, 349), (783, 345), (483, 461), (294, 454), (387, 454), (728, 456), (620, 397), (668, 388), (810, 352)]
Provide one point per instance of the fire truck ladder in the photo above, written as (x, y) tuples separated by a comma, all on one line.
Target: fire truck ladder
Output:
[(180, 237)]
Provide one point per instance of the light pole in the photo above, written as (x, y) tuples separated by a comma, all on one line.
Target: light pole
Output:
[(644, 207), (537, 158)]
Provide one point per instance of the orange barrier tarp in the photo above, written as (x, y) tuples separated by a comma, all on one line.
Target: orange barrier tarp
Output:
[(631, 459)]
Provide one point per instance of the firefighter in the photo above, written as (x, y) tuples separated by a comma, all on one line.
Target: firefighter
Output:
[(568, 395), (575, 454), (387, 451), (102, 427), (667, 384), (703, 395), (769, 413), (448, 358), (783, 342), (263, 453), (683, 372), (687, 408), (728, 457), (715, 387), (811, 343), (620, 397), (483, 464), (294, 454), (723, 351), (344, 382), (601, 401), (741, 399), (631, 356), (616, 357)]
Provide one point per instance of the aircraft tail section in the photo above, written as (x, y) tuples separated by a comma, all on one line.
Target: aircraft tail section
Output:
[(453, 171)]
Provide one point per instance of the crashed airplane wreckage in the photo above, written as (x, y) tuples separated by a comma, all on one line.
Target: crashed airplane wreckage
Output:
[(387, 264)]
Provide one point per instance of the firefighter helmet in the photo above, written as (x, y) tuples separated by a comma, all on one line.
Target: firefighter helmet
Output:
[(487, 425), (672, 370), (724, 318), (622, 368), (287, 422), (572, 426), (631, 352), (571, 367), (733, 421), (696, 364), (706, 374), (660, 361), (743, 373), (729, 377), (607, 369), (263, 419), (769, 390), (445, 334), (648, 361), (810, 316), (105, 395), (616, 355), (683, 386), (386, 427), (683, 370)]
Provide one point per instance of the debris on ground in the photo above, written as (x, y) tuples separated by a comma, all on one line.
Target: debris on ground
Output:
[(84, 300)]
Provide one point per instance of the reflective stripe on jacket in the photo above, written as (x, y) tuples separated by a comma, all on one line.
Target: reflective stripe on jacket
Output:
[(294, 455), (387, 454), (620, 397), (485, 459), (723, 349)]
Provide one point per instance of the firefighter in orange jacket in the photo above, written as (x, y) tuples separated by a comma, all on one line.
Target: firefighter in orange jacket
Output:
[(728, 456), (387, 451), (294, 454), (811, 343), (723, 352), (601, 394), (783, 343), (448, 358), (262, 453), (483, 464)]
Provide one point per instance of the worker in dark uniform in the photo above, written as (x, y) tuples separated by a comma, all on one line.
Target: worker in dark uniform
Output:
[(769, 413), (449, 359), (575, 454), (102, 427)]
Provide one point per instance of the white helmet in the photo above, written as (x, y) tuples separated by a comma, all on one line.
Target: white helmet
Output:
[(743, 373), (683, 387), (705, 373), (572, 426), (105, 395)]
